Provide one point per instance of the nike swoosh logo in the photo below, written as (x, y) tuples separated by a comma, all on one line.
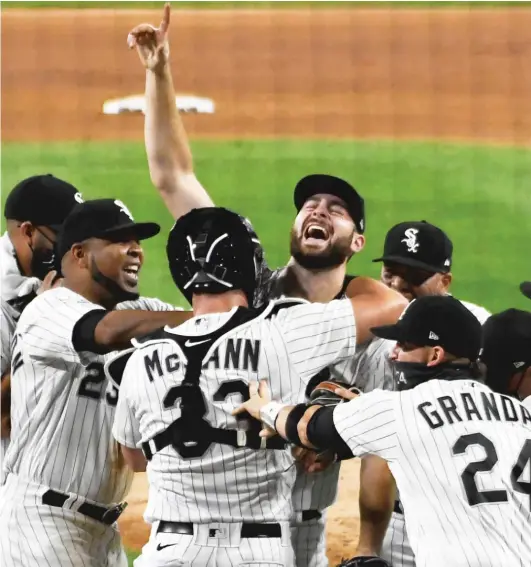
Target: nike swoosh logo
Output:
[(195, 343), (159, 547)]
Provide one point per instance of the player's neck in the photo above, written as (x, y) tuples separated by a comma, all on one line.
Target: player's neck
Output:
[(314, 285), (204, 303)]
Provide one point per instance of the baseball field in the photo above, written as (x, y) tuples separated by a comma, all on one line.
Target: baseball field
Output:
[(426, 110)]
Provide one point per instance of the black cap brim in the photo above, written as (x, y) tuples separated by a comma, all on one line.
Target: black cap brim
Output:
[(525, 288), (412, 263), (137, 230), (389, 332)]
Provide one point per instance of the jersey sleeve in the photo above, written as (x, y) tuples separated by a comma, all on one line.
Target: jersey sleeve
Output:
[(7, 329), (367, 424), (318, 335), (47, 326), (126, 428), (370, 368), (147, 304)]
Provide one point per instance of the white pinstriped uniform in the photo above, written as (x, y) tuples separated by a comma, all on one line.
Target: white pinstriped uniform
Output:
[(62, 413), (396, 547), (15, 289), (226, 486), (460, 455), (368, 369)]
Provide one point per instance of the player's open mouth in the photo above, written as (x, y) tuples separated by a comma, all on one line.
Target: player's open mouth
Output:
[(131, 272), (316, 234)]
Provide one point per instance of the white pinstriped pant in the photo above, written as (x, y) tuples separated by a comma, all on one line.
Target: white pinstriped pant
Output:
[(32, 533), (309, 542), (227, 549), (396, 548)]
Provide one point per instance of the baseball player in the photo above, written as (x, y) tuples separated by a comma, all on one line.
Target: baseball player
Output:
[(457, 450), (328, 230), (506, 354), (65, 475), (214, 499), (417, 261), (34, 210)]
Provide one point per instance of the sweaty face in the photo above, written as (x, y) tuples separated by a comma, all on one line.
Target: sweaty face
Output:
[(414, 282), (116, 266), (323, 233)]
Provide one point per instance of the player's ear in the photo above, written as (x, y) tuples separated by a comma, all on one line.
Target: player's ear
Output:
[(446, 280), (27, 230), (436, 356), (79, 253), (358, 242)]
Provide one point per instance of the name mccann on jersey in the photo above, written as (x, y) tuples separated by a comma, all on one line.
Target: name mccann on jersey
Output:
[(232, 354), (493, 408)]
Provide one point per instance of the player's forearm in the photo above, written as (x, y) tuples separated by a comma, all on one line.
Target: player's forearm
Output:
[(374, 304), (5, 404), (376, 503), (117, 328), (167, 147), (134, 459)]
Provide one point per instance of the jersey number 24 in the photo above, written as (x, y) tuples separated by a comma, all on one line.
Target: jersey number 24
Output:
[(475, 496)]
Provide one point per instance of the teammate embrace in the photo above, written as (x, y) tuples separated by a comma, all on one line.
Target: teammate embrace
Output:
[(445, 455)]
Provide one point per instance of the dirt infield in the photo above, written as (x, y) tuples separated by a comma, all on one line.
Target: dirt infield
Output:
[(415, 74), (408, 74)]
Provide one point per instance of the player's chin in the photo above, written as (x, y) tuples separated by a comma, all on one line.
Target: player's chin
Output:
[(315, 247), (129, 282)]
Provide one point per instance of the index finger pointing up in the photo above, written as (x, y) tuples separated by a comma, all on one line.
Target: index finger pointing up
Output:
[(165, 23)]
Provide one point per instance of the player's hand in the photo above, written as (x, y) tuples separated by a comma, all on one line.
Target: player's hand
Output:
[(259, 396), (344, 393), (312, 461), (51, 281), (152, 43)]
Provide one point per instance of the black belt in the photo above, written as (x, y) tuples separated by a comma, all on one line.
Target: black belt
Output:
[(398, 507), (308, 515), (173, 434), (248, 530), (104, 515)]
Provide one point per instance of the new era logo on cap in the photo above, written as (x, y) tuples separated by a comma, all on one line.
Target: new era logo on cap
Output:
[(433, 336)]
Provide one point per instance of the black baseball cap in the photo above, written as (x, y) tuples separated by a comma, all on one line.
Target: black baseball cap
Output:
[(506, 347), (525, 288), (108, 219), (42, 200), (436, 320), (418, 245), (323, 183)]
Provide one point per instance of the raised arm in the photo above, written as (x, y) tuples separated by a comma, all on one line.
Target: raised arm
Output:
[(168, 151)]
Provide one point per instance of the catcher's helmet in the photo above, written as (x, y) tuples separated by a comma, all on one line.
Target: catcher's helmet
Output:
[(213, 250)]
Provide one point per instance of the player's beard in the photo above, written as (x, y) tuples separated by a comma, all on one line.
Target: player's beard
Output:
[(117, 292), (336, 255), (42, 262)]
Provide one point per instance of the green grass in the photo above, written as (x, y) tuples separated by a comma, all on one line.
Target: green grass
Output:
[(479, 195), (224, 5)]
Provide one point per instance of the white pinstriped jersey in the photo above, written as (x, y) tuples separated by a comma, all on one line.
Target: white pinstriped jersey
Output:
[(461, 456), (62, 408), (223, 483)]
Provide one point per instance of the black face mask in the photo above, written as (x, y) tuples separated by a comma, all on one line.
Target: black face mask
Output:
[(411, 374), (42, 262), (118, 294)]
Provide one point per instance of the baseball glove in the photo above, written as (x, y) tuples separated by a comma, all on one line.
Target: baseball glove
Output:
[(324, 393), (364, 561)]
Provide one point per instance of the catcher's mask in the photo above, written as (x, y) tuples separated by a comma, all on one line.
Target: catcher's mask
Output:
[(214, 250)]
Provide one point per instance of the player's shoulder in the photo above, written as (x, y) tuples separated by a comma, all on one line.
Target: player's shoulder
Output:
[(479, 312), (51, 302)]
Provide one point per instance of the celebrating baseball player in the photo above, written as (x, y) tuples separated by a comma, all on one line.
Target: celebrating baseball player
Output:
[(417, 261), (65, 475), (213, 496), (34, 211), (328, 230), (457, 450)]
